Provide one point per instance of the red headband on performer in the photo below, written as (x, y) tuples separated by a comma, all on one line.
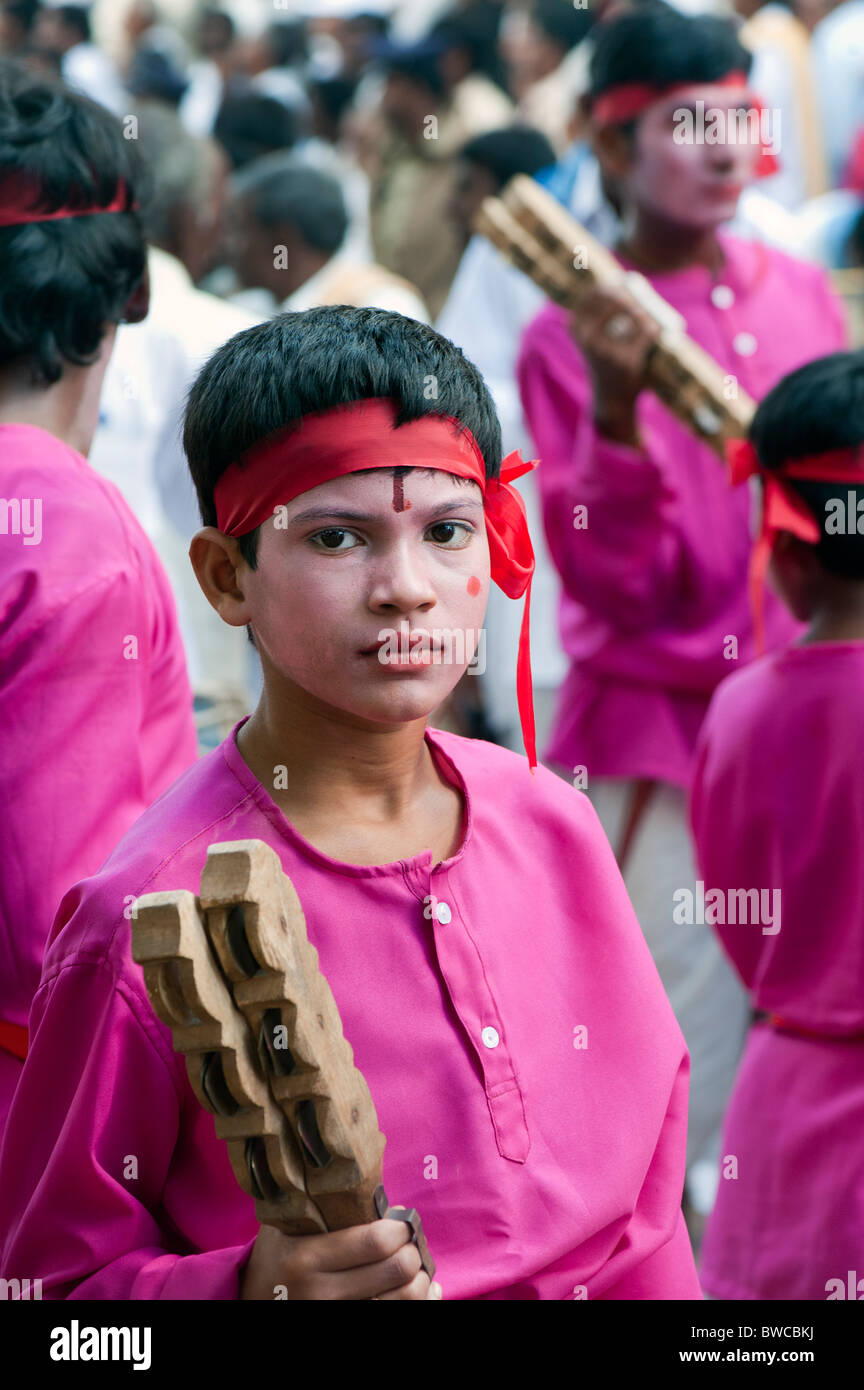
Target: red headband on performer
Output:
[(18, 194), (362, 434), (629, 100), (782, 508)]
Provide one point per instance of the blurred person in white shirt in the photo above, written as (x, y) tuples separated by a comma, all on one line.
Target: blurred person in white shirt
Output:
[(286, 226), (838, 60), (65, 31), (137, 444)]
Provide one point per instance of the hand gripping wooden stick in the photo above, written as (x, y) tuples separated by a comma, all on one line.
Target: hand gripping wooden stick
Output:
[(234, 976), (540, 237)]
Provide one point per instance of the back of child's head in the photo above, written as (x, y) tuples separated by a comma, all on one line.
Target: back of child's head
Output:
[(249, 125), (512, 150), (816, 410), (660, 46), (267, 377), (283, 192), (63, 281)]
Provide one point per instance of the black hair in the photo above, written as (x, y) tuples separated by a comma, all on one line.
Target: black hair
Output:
[(267, 377), (421, 69), (661, 46), (75, 17), (250, 125), (288, 42), (153, 74), (63, 281), (220, 19), (814, 410), (283, 192), (25, 11), (476, 29), (561, 21), (334, 94), (512, 150)]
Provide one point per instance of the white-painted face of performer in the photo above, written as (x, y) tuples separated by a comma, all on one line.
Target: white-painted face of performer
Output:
[(694, 153), (370, 591)]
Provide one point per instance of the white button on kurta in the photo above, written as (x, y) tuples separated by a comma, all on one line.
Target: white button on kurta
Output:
[(443, 913), (490, 1037), (744, 344), (722, 297)]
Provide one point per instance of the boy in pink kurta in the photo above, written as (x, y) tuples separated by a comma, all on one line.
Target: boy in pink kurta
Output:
[(778, 811), (490, 973), (95, 704), (650, 542)]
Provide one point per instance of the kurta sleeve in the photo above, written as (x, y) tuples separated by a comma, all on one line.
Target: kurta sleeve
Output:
[(621, 557), (668, 1274), (644, 1265), (85, 1204), (95, 708)]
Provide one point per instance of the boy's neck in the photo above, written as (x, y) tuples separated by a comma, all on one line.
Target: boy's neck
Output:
[(839, 615), (653, 244), (68, 409), (336, 767)]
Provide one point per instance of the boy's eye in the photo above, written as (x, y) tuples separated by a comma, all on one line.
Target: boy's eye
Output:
[(445, 532), (332, 539)]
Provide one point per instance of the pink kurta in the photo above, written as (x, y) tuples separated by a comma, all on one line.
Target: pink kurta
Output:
[(95, 704), (540, 1169), (778, 803), (655, 584)]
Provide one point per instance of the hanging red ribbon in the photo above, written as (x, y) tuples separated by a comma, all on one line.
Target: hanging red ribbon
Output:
[(362, 434), (782, 508), (14, 1039)]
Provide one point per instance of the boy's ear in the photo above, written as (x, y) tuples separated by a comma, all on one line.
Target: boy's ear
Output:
[(614, 150), (218, 567), (138, 304)]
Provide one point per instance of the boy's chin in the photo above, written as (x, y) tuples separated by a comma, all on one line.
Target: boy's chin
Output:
[(397, 701)]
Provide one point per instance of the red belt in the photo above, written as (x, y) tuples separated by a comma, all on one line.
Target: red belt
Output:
[(13, 1039), (795, 1028)]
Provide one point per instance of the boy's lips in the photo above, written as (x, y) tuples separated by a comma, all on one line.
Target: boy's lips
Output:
[(416, 649)]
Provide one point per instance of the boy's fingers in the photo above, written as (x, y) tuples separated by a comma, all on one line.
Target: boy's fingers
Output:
[(418, 1290), (387, 1278), (357, 1246)]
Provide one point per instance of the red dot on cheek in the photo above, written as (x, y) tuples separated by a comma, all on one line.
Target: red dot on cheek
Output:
[(474, 586)]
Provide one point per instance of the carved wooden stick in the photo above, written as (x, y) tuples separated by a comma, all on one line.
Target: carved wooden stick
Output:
[(539, 236), (235, 977)]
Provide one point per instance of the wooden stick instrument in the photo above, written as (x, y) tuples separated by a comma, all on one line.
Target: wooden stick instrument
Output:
[(540, 237), (234, 976)]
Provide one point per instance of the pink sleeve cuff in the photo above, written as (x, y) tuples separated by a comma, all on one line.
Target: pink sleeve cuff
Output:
[(211, 1276)]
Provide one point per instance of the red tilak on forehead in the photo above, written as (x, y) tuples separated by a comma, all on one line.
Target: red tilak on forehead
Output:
[(399, 503)]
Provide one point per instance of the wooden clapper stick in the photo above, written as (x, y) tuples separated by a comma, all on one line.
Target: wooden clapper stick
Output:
[(540, 237), (234, 976)]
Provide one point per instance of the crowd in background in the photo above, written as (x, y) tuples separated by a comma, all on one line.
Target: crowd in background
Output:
[(338, 153)]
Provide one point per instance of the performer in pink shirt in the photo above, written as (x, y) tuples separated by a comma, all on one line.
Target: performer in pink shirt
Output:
[(95, 705), (468, 911), (777, 811), (650, 542)]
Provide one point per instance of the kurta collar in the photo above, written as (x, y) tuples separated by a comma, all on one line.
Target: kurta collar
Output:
[(421, 863)]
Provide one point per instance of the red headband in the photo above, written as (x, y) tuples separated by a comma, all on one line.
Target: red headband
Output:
[(782, 508), (19, 192), (627, 101), (362, 434)]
